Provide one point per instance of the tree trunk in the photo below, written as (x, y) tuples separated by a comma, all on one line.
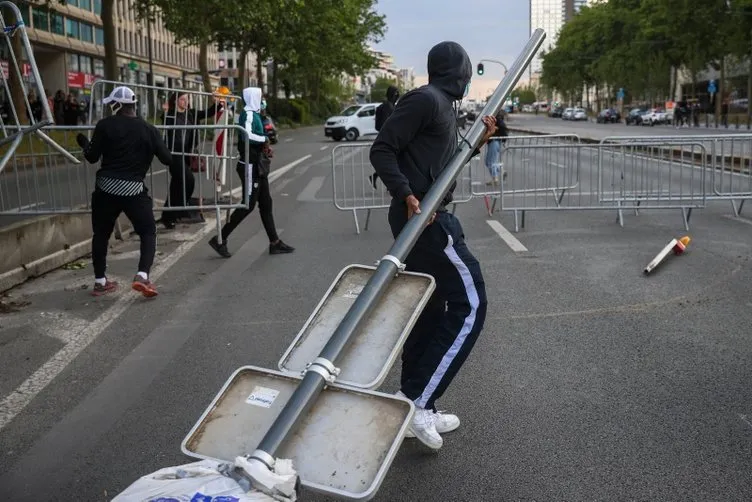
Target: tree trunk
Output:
[(243, 70), (286, 88), (674, 82), (203, 66), (18, 100), (259, 71), (721, 91), (275, 79), (111, 68)]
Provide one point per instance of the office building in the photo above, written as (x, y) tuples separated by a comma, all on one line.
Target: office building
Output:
[(68, 43)]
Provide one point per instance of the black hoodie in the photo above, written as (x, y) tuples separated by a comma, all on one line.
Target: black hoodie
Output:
[(420, 137), (386, 108)]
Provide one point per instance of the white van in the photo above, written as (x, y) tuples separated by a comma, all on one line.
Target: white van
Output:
[(355, 121)]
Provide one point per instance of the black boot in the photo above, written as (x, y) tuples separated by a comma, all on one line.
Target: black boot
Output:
[(280, 248), (221, 249)]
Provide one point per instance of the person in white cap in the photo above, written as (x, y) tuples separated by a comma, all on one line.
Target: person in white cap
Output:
[(126, 145)]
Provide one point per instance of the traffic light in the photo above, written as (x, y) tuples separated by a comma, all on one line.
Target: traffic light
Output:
[(480, 69)]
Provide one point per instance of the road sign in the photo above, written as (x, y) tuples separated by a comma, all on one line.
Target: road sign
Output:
[(133, 65), (712, 89), (620, 94)]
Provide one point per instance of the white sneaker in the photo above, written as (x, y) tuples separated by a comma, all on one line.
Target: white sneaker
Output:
[(444, 422), (423, 427)]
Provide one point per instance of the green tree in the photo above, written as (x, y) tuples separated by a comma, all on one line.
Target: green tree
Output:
[(379, 88), (525, 95)]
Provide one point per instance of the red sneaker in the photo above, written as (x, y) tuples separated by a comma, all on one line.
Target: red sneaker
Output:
[(144, 286), (102, 289)]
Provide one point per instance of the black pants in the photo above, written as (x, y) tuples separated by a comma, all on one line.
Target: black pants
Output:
[(260, 194), (182, 184), (105, 209), (446, 331)]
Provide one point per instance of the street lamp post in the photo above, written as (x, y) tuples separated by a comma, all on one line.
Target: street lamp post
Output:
[(150, 76)]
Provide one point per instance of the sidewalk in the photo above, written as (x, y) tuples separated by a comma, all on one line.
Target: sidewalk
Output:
[(45, 314)]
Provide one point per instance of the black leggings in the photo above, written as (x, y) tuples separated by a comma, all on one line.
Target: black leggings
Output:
[(259, 193), (181, 190), (105, 209)]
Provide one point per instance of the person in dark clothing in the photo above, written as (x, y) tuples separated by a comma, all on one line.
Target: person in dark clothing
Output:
[(411, 150), (259, 154), (182, 143), (70, 110), (58, 108), (126, 144), (383, 112)]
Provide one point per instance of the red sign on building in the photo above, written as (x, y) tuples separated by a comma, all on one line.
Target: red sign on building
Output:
[(79, 80)]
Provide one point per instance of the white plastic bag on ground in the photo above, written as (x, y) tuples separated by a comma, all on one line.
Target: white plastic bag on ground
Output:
[(195, 482)]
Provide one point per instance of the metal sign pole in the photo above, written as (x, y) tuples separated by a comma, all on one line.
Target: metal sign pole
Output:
[(323, 369)]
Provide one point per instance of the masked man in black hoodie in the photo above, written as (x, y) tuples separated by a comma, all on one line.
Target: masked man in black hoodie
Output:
[(411, 150)]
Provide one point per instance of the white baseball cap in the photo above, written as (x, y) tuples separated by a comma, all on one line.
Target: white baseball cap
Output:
[(122, 95)]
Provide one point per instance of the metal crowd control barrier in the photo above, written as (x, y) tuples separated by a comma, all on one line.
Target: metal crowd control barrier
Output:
[(527, 164), (642, 174), (319, 411), (24, 123), (153, 107), (43, 181), (728, 158), (354, 189)]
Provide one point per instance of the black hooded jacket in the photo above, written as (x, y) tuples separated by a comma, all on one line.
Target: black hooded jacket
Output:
[(386, 108), (420, 137)]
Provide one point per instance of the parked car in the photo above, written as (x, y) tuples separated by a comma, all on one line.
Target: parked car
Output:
[(608, 116), (567, 114), (352, 122), (635, 116), (555, 112), (654, 116), (579, 114)]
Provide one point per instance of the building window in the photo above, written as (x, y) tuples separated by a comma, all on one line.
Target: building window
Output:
[(98, 7), (57, 23), (73, 62), (98, 36), (72, 2), (84, 64), (99, 67), (71, 28), (40, 19), (86, 31), (24, 13), (85, 4)]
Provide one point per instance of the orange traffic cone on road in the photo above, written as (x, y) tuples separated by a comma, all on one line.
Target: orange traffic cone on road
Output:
[(678, 246)]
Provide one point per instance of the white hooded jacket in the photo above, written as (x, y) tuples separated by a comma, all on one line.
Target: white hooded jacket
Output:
[(252, 97)]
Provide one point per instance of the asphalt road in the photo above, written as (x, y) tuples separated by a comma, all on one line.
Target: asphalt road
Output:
[(590, 381)]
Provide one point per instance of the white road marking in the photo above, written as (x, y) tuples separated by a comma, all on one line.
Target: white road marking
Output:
[(155, 173), (323, 148), (309, 192), (15, 402), (272, 176), (562, 166), (506, 236), (289, 139)]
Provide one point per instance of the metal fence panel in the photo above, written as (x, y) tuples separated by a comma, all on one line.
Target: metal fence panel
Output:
[(40, 180), (354, 189), (20, 123)]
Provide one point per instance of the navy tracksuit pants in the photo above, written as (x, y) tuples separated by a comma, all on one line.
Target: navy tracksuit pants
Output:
[(446, 331)]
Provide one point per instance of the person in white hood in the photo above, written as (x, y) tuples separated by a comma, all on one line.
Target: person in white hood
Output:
[(258, 159)]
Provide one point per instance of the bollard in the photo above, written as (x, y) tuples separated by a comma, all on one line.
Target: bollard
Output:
[(678, 246)]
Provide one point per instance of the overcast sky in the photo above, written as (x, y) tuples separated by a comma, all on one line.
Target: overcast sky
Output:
[(491, 29)]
